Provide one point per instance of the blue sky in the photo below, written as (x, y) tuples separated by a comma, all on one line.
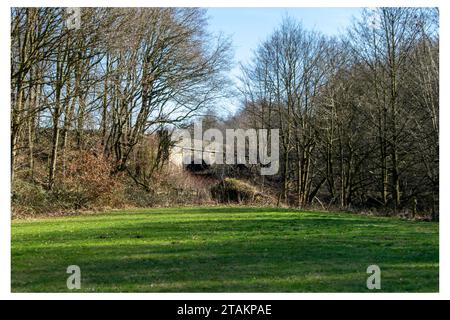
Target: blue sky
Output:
[(250, 26)]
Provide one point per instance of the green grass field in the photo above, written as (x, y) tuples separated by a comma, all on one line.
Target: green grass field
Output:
[(224, 250)]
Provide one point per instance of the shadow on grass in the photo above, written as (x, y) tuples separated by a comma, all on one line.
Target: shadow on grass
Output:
[(244, 253)]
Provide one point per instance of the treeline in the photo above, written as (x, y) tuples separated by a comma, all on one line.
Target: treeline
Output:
[(358, 114), (91, 104), (89, 91)]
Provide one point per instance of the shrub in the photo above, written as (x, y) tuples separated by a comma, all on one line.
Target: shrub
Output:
[(28, 198), (233, 190), (87, 181)]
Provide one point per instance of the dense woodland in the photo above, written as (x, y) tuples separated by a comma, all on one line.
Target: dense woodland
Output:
[(92, 109)]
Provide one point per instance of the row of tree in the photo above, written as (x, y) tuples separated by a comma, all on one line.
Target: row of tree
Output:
[(358, 114), (100, 80)]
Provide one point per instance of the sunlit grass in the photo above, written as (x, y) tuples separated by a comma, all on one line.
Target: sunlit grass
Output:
[(224, 250)]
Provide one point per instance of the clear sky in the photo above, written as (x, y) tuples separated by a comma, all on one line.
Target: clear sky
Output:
[(250, 26)]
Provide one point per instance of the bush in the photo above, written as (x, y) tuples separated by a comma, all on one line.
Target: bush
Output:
[(88, 182), (234, 190), (28, 198)]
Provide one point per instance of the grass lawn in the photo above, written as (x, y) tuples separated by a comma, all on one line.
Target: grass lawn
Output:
[(224, 249)]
